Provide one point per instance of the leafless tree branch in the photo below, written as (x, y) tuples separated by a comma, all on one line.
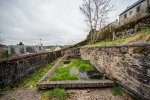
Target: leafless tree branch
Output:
[(95, 12)]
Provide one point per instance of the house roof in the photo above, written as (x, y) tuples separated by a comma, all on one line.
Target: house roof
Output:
[(51, 48), (133, 5)]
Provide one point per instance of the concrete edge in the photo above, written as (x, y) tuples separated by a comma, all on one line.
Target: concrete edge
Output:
[(71, 84), (26, 56), (52, 70)]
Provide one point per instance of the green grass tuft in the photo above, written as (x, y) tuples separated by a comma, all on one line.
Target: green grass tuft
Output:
[(63, 76), (116, 90), (47, 95), (62, 73), (59, 94), (82, 65)]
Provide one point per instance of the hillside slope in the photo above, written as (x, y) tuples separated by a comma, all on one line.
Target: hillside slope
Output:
[(141, 36)]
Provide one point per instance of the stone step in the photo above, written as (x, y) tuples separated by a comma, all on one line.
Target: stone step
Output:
[(76, 84)]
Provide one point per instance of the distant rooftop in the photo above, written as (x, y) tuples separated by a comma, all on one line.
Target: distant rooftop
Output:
[(133, 5)]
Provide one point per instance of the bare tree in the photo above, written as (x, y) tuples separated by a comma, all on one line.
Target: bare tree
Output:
[(95, 12)]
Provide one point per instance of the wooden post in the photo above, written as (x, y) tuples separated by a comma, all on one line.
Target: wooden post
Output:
[(113, 35)]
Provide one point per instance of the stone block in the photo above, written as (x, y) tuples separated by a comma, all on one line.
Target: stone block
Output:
[(123, 50)]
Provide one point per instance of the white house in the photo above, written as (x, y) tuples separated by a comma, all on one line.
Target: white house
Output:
[(53, 48), (138, 9), (57, 48)]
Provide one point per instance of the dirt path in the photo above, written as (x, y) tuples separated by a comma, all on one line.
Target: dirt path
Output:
[(84, 94), (21, 94)]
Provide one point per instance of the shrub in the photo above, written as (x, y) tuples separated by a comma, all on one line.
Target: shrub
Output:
[(4, 54)]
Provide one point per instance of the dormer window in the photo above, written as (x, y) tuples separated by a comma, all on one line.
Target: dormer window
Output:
[(130, 12), (138, 8)]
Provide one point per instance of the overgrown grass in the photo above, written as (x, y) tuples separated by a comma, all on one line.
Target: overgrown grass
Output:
[(63, 72), (82, 65), (117, 90), (131, 38), (32, 81), (59, 94)]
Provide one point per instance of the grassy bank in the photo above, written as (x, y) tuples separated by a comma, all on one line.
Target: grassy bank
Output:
[(143, 36), (32, 81), (63, 72)]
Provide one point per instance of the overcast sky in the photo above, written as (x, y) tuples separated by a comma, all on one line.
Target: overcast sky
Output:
[(54, 21)]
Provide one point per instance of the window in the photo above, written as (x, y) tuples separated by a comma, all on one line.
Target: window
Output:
[(125, 16), (138, 8), (130, 12)]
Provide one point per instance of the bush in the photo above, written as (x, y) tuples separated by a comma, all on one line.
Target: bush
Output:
[(4, 54)]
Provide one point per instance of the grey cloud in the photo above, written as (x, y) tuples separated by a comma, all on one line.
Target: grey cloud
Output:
[(49, 20), (53, 21)]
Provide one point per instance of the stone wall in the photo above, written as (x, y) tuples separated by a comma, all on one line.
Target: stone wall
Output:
[(23, 49), (128, 65), (111, 31), (14, 70), (132, 27)]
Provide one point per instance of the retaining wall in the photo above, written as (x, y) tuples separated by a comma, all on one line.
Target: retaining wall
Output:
[(128, 65), (14, 70), (45, 83), (132, 27)]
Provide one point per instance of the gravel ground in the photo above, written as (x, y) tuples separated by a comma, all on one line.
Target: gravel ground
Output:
[(83, 94), (95, 94)]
